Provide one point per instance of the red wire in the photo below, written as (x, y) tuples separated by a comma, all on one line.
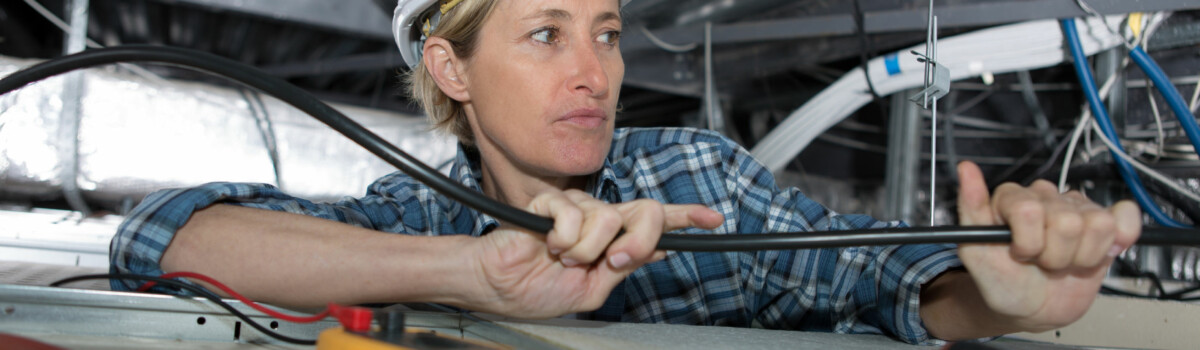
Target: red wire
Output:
[(244, 300)]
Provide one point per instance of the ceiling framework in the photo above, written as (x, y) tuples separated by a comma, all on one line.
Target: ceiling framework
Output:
[(763, 50), (768, 56)]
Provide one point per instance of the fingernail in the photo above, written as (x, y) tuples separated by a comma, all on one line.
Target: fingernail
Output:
[(1130, 220), (555, 251), (1115, 250), (618, 261), (568, 262)]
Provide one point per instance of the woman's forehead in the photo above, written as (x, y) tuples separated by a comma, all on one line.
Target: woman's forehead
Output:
[(565, 10)]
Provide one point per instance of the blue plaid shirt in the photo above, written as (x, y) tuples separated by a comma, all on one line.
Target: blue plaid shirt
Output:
[(847, 290)]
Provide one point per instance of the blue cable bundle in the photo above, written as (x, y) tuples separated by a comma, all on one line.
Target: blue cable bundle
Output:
[(1168, 91)]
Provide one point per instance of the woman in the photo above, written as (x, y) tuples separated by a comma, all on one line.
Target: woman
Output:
[(530, 88)]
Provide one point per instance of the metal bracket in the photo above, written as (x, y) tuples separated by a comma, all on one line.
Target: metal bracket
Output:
[(937, 85)]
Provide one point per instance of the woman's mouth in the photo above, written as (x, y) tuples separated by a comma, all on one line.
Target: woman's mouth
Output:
[(587, 118)]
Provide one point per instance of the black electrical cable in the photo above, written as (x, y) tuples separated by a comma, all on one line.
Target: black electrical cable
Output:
[(197, 290), (1126, 268), (290, 94), (376, 145), (865, 52), (1050, 163), (266, 129)]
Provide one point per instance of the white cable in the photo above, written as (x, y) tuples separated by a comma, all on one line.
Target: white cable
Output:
[(1152, 26), (1145, 169), (1087, 144), (1143, 148), (665, 45), (41, 10), (1001, 49), (1195, 96), (1092, 12), (1084, 119), (1157, 121), (1149, 26), (56, 21)]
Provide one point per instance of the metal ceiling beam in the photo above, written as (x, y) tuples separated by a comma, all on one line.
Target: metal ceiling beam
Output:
[(360, 17), (949, 16), (343, 64)]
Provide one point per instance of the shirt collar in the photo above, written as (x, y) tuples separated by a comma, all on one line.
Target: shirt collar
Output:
[(467, 170)]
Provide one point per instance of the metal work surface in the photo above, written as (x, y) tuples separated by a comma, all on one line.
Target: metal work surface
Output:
[(87, 319), (60, 311), (91, 319), (56, 237), (579, 334)]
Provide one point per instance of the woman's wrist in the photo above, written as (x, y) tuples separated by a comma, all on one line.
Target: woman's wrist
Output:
[(952, 308), (447, 272)]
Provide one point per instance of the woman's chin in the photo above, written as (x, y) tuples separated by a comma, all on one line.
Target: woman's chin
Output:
[(581, 159)]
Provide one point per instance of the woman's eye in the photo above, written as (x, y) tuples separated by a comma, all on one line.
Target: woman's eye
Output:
[(546, 35), (609, 38)]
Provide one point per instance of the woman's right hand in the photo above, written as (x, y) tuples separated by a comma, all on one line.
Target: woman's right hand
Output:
[(574, 267)]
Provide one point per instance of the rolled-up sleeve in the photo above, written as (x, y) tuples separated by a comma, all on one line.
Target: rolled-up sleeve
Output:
[(142, 238)]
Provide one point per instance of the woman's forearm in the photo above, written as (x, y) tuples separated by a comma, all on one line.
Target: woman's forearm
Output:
[(952, 308), (296, 260)]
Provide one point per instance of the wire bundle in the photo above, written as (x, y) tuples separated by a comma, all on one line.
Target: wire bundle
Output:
[(1016, 47), (1186, 120)]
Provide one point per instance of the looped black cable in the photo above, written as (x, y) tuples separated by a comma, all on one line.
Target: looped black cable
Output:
[(290, 94), (378, 146)]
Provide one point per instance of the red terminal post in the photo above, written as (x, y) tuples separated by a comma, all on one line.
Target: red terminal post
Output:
[(352, 318)]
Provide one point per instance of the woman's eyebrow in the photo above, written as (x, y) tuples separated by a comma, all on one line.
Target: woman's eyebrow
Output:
[(551, 13), (608, 16), (560, 14)]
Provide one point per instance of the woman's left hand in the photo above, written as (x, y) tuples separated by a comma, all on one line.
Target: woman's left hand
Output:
[(1062, 247)]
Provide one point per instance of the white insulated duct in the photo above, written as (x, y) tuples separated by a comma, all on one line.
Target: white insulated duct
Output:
[(138, 135)]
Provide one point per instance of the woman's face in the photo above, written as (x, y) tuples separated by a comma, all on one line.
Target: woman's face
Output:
[(543, 84)]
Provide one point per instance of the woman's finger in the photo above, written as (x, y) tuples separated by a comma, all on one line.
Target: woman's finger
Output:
[(568, 218), (601, 223)]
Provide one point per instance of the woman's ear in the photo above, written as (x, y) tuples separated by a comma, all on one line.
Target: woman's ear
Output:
[(446, 68)]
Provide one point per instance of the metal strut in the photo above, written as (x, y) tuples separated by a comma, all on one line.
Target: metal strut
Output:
[(937, 85)]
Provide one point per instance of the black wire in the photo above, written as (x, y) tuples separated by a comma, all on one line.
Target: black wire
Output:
[(266, 130), (886, 236), (1050, 163), (951, 166), (1128, 268), (865, 52), (199, 291), (432, 178), (290, 94)]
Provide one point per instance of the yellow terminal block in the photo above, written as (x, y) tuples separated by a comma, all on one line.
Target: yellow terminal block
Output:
[(339, 339)]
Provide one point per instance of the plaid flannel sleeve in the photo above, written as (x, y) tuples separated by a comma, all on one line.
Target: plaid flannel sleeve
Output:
[(145, 234), (872, 289)]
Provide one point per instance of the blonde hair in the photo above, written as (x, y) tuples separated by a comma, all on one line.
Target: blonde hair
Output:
[(460, 26)]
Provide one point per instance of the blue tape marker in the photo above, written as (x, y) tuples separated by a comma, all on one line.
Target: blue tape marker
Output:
[(892, 62)]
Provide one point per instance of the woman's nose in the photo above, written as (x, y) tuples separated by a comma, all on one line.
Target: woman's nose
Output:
[(588, 75)]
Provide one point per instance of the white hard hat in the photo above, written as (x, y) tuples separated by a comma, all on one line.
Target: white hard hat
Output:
[(407, 24), (409, 37)]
